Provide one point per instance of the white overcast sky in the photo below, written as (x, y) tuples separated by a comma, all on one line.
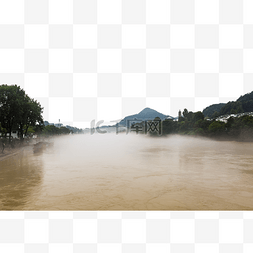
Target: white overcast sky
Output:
[(105, 60)]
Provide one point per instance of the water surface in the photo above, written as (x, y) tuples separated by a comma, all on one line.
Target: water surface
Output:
[(129, 172)]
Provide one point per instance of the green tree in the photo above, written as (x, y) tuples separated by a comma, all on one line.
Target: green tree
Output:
[(169, 126), (230, 121), (51, 130), (190, 117), (11, 98), (233, 111), (200, 131), (31, 116), (30, 130), (17, 110), (3, 131), (64, 130), (185, 113), (198, 116), (215, 115), (217, 127)]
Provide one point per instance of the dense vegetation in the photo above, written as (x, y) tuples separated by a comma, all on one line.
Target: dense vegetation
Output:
[(191, 123), (242, 104), (53, 130), (246, 97), (18, 111), (49, 130), (210, 110)]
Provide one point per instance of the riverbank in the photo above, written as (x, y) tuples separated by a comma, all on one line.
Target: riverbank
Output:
[(8, 152)]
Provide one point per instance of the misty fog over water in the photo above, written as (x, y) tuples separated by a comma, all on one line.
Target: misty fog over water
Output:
[(129, 172)]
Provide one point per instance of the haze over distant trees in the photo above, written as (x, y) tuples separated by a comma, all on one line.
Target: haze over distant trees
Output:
[(207, 123), (53, 130), (19, 112)]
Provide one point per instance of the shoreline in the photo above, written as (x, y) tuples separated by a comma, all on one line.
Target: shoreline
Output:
[(10, 152)]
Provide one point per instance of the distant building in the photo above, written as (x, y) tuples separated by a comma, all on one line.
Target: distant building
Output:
[(58, 125), (224, 118)]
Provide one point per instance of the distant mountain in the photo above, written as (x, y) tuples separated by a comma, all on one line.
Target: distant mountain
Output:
[(242, 104), (145, 114), (246, 97), (210, 110)]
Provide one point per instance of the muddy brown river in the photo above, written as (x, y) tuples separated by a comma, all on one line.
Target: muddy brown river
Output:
[(129, 172)]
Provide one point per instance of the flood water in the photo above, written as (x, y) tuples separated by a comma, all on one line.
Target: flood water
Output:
[(129, 172)]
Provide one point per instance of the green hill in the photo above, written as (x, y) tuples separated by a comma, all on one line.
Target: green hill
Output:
[(242, 104), (246, 97), (145, 114), (210, 110)]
